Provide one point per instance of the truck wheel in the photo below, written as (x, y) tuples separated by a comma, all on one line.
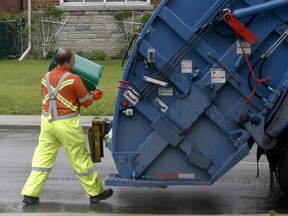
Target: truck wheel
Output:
[(283, 171)]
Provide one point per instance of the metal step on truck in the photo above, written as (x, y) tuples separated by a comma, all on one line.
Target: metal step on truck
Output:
[(204, 82)]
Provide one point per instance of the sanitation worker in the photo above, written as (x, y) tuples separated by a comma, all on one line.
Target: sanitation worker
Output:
[(63, 95)]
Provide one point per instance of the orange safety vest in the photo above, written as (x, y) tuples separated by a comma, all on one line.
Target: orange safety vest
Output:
[(54, 99)]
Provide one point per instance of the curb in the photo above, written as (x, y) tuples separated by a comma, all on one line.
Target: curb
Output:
[(30, 127), (33, 122)]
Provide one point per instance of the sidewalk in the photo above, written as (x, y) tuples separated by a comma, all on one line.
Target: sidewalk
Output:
[(32, 122)]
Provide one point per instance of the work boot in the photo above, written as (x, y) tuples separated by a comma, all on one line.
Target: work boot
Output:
[(105, 195), (30, 200)]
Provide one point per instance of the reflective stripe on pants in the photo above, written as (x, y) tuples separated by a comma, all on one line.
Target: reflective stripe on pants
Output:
[(68, 133)]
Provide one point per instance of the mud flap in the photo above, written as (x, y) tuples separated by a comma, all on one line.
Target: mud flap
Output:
[(270, 154), (260, 152)]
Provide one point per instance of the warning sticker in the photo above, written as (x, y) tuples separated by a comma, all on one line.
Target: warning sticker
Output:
[(165, 91), (246, 46), (218, 75), (186, 66)]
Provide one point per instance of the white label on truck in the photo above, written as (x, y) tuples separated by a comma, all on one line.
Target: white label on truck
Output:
[(246, 46), (217, 75), (186, 66), (186, 175), (165, 91)]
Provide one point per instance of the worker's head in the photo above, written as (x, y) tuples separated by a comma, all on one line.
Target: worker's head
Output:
[(66, 58)]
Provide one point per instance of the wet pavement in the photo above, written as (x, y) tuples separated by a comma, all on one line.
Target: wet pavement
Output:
[(237, 192)]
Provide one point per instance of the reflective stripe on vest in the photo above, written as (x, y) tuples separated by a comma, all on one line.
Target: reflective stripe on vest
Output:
[(53, 94), (82, 100), (67, 116)]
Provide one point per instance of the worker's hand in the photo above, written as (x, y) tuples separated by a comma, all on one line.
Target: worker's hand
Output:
[(98, 93)]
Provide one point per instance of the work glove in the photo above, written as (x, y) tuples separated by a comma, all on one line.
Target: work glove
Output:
[(98, 93)]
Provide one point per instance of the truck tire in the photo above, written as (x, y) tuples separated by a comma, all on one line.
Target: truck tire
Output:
[(283, 171)]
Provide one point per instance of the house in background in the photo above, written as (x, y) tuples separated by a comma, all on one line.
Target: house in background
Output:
[(13, 5), (20, 5), (87, 24)]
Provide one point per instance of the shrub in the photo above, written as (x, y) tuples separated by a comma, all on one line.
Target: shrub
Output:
[(82, 53), (145, 18), (98, 55), (4, 15)]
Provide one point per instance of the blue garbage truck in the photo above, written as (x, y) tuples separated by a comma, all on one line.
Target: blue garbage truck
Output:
[(204, 82)]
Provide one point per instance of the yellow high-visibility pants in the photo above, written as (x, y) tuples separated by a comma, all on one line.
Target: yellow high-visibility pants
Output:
[(69, 134)]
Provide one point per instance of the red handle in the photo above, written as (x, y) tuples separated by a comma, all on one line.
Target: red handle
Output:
[(124, 81), (122, 87)]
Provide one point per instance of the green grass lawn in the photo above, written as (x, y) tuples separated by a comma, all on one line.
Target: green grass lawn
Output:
[(20, 89)]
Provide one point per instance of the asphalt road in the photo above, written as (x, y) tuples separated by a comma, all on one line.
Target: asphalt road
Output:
[(237, 192)]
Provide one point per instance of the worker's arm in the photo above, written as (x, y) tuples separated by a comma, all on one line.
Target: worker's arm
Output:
[(94, 95), (90, 97), (85, 98)]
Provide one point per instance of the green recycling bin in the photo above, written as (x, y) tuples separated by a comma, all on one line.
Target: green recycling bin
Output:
[(89, 72)]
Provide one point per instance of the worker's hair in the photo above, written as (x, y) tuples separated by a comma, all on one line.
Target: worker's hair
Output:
[(64, 56)]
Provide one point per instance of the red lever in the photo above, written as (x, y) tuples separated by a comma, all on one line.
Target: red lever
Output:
[(239, 28), (124, 81), (122, 87)]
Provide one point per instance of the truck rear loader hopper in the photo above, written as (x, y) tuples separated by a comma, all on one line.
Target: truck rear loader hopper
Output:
[(204, 82)]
